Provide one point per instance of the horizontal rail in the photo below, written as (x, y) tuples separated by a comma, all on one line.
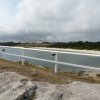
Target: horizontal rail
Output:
[(65, 52), (62, 63)]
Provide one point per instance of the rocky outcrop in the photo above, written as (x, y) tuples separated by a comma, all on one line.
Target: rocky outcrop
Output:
[(74, 91), (15, 87)]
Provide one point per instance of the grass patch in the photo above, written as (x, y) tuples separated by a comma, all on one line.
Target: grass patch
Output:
[(43, 74)]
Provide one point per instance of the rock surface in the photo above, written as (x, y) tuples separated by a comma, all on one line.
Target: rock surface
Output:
[(15, 87), (74, 91)]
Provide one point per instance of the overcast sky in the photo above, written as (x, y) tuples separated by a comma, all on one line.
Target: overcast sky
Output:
[(49, 20)]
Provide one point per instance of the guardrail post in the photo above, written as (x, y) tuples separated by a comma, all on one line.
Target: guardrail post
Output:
[(0, 52), (56, 59), (22, 57)]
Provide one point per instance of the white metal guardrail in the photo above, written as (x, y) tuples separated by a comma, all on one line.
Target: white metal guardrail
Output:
[(55, 53)]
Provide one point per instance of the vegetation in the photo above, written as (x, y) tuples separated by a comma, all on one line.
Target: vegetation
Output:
[(10, 43), (73, 45), (36, 73), (78, 45)]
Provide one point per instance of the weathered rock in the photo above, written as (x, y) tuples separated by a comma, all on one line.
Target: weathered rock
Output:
[(74, 91), (15, 87)]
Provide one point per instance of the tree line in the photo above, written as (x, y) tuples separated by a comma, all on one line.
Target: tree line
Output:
[(77, 45), (72, 45), (10, 43)]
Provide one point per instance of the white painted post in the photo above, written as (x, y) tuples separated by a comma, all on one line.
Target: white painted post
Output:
[(22, 57), (1, 53), (56, 59)]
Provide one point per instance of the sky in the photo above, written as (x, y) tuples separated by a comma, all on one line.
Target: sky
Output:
[(49, 20)]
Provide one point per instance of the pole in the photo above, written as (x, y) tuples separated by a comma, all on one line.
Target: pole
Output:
[(22, 57), (56, 59)]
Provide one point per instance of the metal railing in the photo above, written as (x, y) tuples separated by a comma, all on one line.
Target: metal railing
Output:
[(53, 52)]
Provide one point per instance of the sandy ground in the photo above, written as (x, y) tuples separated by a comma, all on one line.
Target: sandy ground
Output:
[(72, 50)]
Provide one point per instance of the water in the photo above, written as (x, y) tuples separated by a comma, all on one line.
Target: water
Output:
[(69, 58)]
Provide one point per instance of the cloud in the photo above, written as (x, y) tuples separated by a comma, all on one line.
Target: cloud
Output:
[(50, 20)]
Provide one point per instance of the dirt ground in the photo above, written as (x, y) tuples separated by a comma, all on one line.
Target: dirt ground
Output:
[(26, 70), (42, 74), (14, 67)]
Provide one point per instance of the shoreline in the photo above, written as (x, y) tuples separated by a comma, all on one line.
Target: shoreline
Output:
[(71, 50)]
